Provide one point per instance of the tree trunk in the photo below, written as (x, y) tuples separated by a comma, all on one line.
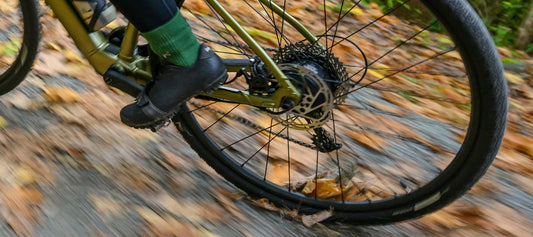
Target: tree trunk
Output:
[(525, 32)]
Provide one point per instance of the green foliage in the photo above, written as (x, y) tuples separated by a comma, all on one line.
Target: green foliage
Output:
[(529, 48), (502, 17)]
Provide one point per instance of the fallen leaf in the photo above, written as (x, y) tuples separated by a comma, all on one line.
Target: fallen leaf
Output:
[(265, 203), (107, 205), (61, 95), (326, 188), (24, 175), (310, 220), (514, 78), (229, 206), (367, 139), (20, 101), (157, 223), (3, 122)]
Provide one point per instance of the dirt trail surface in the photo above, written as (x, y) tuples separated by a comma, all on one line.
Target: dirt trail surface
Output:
[(68, 167)]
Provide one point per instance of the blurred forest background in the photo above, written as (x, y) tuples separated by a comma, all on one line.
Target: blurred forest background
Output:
[(509, 21)]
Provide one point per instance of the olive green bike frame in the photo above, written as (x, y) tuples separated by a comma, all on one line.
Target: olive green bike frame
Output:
[(93, 47)]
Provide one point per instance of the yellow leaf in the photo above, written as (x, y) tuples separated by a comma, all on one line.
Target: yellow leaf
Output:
[(518, 105), (72, 56), (357, 11), (261, 33), (61, 95), (514, 78), (24, 175), (3, 122), (54, 46), (375, 73)]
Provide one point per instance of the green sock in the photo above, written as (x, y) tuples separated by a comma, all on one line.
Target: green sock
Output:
[(174, 41)]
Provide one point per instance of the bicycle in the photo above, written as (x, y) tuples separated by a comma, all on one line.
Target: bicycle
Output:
[(320, 117)]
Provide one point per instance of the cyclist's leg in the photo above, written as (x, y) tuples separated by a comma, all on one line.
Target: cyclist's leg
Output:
[(163, 26), (188, 67)]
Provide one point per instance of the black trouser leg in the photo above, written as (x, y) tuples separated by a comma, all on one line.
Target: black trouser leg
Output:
[(147, 15)]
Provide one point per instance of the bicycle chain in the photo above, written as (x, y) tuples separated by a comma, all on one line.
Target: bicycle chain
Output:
[(251, 124)]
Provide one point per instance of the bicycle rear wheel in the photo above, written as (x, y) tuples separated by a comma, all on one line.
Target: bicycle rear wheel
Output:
[(19, 39), (412, 117)]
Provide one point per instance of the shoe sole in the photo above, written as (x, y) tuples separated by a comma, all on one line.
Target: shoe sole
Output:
[(164, 120)]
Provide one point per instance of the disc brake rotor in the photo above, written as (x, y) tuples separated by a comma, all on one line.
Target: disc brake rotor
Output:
[(314, 108)]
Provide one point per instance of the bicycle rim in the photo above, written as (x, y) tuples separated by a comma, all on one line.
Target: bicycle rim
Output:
[(395, 133)]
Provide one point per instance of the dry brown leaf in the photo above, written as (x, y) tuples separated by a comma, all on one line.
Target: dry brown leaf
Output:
[(20, 101), (367, 139), (387, 108), (310, 220), (326, 188), (278, 173), (506, 220), (265, 203), (20, 212), (157, 223), (514, 161), (518, 142), (50, 63), (229, 206), (107, 205), (61, 95)]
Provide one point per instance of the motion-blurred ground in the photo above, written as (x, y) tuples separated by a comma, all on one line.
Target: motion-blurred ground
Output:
[(68, 167)]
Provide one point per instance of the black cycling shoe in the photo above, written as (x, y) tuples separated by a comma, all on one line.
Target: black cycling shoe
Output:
[(172, 85)]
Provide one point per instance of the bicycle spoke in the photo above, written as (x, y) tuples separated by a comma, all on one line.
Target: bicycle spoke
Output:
[(316, 175), (394, 115), (337, 155), (268, 150), (227, 29), (372, 22), (289, 156), (213, 30), (337, 22), (396, 47), (251, 135), (408, 71), (395, 73), (262, 147), (336, 25), (271, 23), (223, 116)]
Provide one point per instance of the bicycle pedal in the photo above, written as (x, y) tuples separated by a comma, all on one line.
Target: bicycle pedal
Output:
[(165, 123)]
